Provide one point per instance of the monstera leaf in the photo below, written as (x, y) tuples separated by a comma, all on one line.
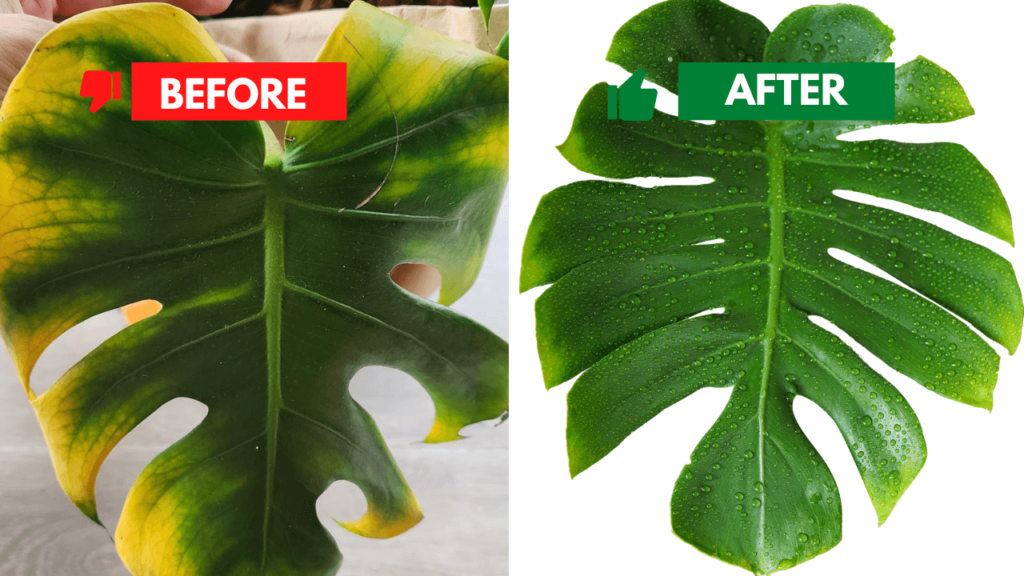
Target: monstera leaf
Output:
[(503, 46), (273, 270), (633, 268), (485, 11)]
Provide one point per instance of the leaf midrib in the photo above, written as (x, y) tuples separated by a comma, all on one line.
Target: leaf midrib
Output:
[(273, 270), (776, 206), (275, 284)]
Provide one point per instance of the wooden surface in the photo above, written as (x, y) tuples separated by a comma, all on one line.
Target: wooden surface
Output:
[(461, 486)]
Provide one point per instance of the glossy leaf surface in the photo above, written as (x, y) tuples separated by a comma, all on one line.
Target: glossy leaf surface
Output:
[(631, 268), (272, 267)]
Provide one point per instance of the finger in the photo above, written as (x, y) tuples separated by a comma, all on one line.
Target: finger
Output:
[(39, 8), (197, 7)]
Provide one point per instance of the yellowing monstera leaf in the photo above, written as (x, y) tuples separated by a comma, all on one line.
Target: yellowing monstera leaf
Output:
[(272, 269)]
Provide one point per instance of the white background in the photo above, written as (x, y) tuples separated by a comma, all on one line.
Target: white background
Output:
[(963, 513)]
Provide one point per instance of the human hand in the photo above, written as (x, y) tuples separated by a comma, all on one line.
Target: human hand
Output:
[(47, 9)]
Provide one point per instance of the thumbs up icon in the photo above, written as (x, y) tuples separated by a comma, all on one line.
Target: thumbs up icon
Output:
[(631, 102), (101, 86)]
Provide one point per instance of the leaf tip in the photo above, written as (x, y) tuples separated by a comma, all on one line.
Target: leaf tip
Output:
[(550, 373), (567, 148), (530, 273), (576, 464), (88, 509), (382, 523), (573, 148), (1011, 346), (443, 430), (883, 515)]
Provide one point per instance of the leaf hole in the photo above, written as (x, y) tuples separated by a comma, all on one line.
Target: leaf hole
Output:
[(824, 434), (863, 265), (708, 313), (81, 339), (343, 501), (167, 425), (710, 242), (873, 362), (656, 181), (916, 133), (951, 225), (421, 280), (401, 408), (72, 346)]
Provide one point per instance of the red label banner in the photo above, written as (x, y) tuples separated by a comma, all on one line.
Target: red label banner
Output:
[(238, 91)]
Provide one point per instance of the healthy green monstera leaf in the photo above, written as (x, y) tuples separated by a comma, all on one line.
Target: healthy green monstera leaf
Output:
[(273, 270), (633, 268)]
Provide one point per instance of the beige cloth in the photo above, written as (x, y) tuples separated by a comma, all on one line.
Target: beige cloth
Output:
[(298, 37), (18, 35)]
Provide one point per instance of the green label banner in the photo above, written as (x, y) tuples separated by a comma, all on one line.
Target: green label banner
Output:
[(787, 91)]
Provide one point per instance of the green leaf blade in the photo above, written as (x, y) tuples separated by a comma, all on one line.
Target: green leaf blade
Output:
[(837, 33), (881, 430), (928, 94), (879, 323), (700, 31), (756, 493), (631, 385), (604, 304), (940, 177), (583, 221)]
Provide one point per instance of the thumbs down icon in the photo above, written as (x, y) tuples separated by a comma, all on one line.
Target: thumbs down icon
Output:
[(101, 86)]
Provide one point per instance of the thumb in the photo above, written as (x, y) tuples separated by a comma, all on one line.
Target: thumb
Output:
[(41, 8), (635, 81)]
